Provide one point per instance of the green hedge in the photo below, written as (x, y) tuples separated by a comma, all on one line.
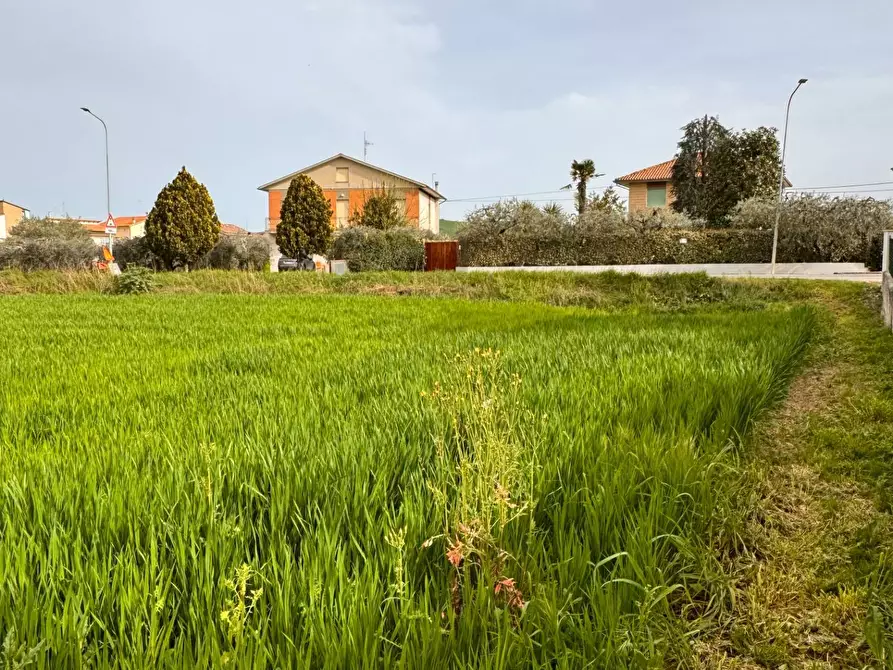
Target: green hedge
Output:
[(566, 247), (370, 249), (813, 229)]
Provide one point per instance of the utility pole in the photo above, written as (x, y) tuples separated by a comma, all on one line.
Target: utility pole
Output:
[(784, 146), (366, 145), (108, 190)]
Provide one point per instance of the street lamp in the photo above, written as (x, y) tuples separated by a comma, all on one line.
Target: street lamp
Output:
[(108, 196), (784, 144)]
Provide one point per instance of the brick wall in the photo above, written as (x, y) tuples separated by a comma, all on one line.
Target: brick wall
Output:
[(638, 196)]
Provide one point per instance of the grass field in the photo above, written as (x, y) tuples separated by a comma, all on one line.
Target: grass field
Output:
[(348, 481)]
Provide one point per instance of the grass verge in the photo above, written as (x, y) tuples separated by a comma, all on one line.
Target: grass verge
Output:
[(815, 587)]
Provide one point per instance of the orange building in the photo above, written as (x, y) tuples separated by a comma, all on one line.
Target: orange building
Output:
[(348, 183)]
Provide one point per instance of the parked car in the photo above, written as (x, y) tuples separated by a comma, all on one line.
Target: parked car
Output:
[(296, 264)]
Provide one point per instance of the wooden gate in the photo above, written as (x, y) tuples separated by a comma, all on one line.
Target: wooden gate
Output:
[(441, 256)]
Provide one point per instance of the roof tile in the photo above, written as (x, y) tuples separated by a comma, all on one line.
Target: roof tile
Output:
[(660, 172)]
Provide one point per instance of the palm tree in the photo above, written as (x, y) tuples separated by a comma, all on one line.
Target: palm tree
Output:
[(581, 173)]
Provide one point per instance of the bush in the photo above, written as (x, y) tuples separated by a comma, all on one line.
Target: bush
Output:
[(367, 249), (134, 251), (47, 244), (48, 254), (813, 230), (625, 247), (135, 279), (238, 252), (819, 228), (50, 229)]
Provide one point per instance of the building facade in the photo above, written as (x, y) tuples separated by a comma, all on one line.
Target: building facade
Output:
[(348, 183), (10, 215), (649, 188)]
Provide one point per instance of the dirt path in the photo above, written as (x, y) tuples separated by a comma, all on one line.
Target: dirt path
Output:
[(815, 591)]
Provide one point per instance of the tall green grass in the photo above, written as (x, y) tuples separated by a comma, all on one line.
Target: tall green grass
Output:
[(346, 481)]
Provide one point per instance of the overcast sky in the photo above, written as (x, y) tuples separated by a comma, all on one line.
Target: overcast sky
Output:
[(495, 97)]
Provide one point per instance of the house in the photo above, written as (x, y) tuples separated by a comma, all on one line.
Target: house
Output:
[(649, 187), (134, 226), (652, 187), (348, 183), (10, 215), (128, 226)]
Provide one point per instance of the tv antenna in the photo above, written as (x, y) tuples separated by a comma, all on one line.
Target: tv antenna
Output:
[(366, 145)]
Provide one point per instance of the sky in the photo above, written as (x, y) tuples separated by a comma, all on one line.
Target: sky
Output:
[(497, 98)]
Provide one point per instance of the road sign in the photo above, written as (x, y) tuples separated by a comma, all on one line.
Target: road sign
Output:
[(110, 226)]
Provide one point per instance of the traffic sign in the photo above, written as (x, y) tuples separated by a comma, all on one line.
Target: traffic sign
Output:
[(110, 226)]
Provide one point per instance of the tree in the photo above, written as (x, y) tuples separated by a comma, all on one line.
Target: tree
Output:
[(554, 210), (607, 202), (182, 226), (758, 162), (382, 210), (305, 227), (581, 173), (717, 168)]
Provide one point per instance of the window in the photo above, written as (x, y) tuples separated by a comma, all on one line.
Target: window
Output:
[(342, 175), (657, 195), (341, 216)]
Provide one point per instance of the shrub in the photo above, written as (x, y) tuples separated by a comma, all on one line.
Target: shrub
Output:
[(662, 218), (46, 229), (135, 279), (47, 254), (182, 226), (367, 249), (305, 227), (48, 244), (238, 252), (819, 228), (813, 229), (134, 251), (624, 247), (382, 211)]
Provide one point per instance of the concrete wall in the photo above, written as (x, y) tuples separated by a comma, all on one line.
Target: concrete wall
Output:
[(848, 271), (2, 226)]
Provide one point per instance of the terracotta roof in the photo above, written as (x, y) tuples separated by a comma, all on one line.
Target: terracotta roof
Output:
[(422, 186), (660, 172), (129, 220), (96, 226), (232, 229)]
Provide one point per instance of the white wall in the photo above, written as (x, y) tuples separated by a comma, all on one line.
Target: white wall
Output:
[(2, 226), (429, 213)]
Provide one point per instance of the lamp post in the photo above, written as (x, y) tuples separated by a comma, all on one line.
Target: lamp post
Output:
[(784, 145), (108, 196)]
